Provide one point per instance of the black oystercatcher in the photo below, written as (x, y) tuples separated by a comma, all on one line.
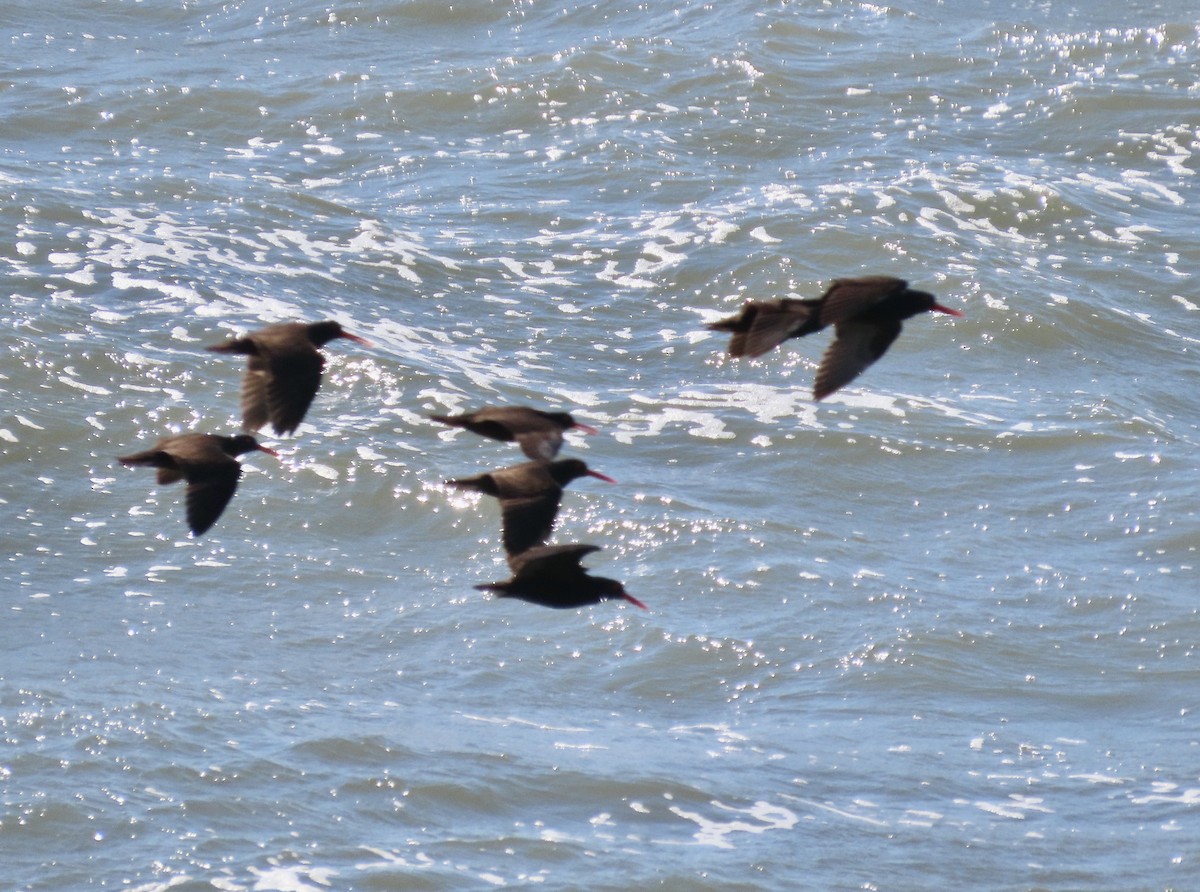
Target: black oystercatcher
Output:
[(529, 495), (866, 313), (206, 462), (284, 371), (539, 434), (550, 575)]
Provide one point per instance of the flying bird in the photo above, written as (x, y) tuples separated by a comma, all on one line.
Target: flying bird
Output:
[(529, 497), (551, 575), (539, 434), (207, 463), (866, 312), (283, 371)]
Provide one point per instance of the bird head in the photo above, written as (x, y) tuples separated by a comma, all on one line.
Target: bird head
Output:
[(243, 443), (321, 333)]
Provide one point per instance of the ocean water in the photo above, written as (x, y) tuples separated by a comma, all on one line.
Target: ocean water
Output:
[(937, 631)]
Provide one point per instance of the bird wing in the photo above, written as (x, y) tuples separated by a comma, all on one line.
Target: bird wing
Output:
[(210, 487), (528, 520), (540, 445), (855, 346), (550, 562), (255, 385), (847, 298), (764, 325), (291, 385), (168, 473)]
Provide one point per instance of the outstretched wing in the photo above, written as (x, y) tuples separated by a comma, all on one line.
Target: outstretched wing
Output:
[(255, 384), (540, 445), (548, 563), (764, 325), (210, 487), (290, 386), (848, 298), (855, 346), (528, 520)]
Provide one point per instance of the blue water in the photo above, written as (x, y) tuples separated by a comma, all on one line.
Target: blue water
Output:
[(936, 631)]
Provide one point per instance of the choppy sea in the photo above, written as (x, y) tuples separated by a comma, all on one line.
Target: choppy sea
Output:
[(938, 631)]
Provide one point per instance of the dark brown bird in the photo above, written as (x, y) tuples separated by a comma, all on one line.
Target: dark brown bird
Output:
[(284, 371), (206, 462), (529, 496), (539, 434), (866, 313), (550, 575)]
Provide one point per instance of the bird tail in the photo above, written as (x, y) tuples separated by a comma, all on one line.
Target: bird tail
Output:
[(151, 459), (483, 483), (237, 345), (730, 324), (446, 419)]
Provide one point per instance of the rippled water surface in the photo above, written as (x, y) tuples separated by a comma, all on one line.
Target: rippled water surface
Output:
[(939, 630)]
